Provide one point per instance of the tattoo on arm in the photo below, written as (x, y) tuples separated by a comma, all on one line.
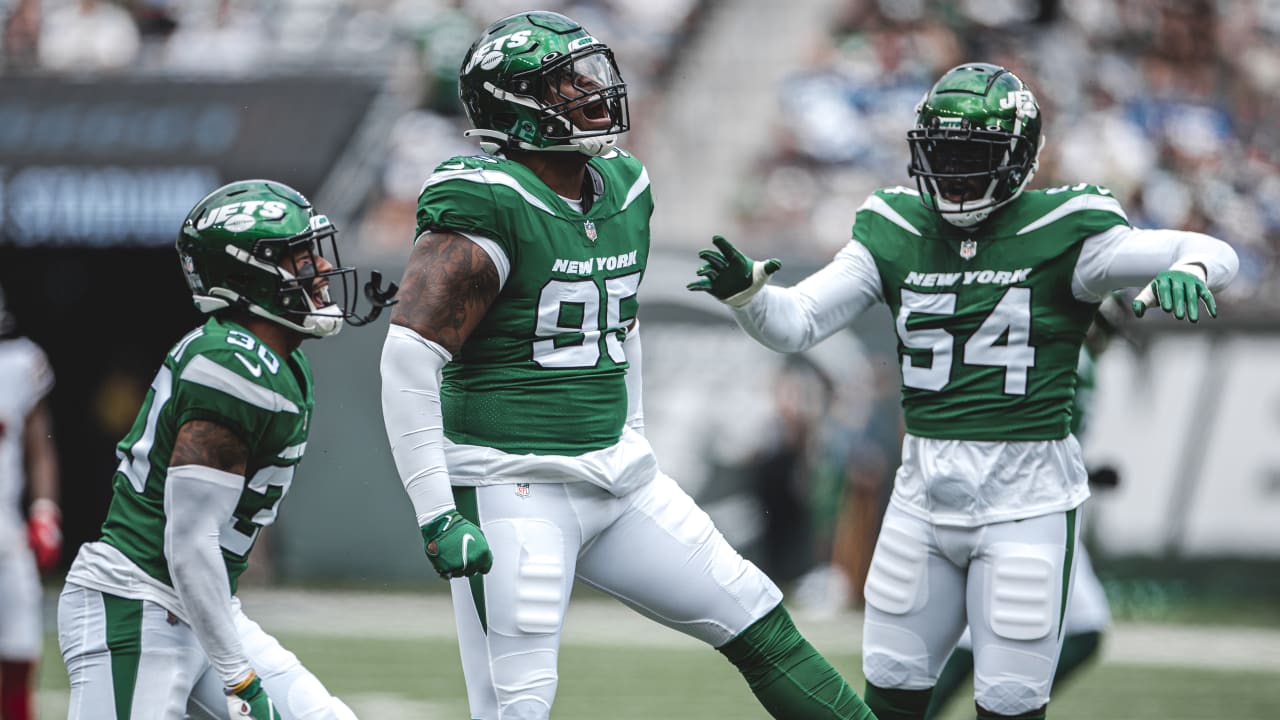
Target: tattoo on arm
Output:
[(447, 289), (201, 442)]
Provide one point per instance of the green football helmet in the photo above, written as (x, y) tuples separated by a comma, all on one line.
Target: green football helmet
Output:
[(539, 81), (976, 143), (235, 243)]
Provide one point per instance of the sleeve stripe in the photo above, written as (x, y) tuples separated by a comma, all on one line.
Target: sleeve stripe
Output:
[(878, 206), (638, 187), (293, 452), (203, 371), (1076, 204), (495, 253), (479, 175), (184, 342)]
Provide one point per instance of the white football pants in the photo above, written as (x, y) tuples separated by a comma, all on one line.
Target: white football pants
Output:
[(120, 650), (653, 549), (1007, 580), (1087, 607)]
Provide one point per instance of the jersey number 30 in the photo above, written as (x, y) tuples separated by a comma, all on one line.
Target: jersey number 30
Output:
[(1010, 319)]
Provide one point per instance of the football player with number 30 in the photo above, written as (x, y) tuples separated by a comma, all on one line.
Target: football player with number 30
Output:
[(511, 394), (148, 622), (992, 289)]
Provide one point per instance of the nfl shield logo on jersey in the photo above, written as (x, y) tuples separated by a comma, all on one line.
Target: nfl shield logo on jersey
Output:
[(590, 227), (522, 490), (968, 248)]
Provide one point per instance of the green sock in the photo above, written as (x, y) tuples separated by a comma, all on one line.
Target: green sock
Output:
[(788, 676), (890, 704)]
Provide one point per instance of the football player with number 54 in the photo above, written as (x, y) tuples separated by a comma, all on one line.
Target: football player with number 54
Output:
[(148, 622), (511, 394), (992, 288)]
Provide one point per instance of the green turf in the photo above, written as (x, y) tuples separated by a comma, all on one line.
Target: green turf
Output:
[(692, 683)]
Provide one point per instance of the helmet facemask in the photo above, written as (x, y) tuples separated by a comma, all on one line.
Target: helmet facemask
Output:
[(584, 100), (967, 174), (305, 291)]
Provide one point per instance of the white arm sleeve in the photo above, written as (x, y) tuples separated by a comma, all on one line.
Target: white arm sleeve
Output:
[(198, 502), (635, 387), (411, 411), (797, 318), (1124, 257)]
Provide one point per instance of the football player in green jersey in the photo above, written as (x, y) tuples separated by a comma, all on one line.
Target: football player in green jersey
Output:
[(511, 394), (992, 288), (148, 623)]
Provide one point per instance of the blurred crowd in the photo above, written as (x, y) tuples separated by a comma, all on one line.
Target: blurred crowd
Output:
[(1169, 103)]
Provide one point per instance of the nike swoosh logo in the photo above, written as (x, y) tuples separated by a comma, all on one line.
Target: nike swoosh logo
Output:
[(452, 166), (253, 368), (466, 540)]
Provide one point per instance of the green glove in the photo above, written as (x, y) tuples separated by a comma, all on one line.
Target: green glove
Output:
[(455, 546), (248, 701), (1180, 290), (730, 276)]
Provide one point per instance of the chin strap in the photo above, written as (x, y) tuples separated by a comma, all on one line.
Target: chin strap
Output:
[(593, 146)]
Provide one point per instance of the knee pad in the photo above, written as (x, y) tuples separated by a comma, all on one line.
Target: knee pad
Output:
[(525, 684), (1022, 600), (1013, 681), (894, 657), (1009, 696)]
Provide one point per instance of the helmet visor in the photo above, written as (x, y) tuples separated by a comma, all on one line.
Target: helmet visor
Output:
[(585, 92)]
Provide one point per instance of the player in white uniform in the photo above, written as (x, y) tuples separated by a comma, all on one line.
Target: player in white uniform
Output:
[(28, 468)]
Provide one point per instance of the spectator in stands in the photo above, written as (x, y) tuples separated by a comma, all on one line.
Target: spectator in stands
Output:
[(22, 35), (89, 36), (224, 39)]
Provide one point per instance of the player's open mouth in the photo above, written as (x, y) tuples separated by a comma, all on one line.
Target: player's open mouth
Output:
[(596, 112), (320, 295)]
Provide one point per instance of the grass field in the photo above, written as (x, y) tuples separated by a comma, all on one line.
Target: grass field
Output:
[(397, 659)]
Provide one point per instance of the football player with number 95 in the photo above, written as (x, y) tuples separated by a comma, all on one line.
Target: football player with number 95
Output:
[(992, 288), (511, 394), (148, 621)]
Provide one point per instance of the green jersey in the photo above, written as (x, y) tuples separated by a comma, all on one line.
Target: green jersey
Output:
[(223, 374), (989, 330), (543, 372)]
